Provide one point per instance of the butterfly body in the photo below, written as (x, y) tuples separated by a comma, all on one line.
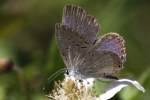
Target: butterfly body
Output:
[(83, 53)]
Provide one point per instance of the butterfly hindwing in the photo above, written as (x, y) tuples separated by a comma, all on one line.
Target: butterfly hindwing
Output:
[(112, 42), (106, 57), (100, 64)]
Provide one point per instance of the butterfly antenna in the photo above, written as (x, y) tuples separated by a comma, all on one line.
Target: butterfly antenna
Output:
[(57, 73), (52, 77)]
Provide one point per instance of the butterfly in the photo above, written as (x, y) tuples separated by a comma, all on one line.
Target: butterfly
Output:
[(84, 54)]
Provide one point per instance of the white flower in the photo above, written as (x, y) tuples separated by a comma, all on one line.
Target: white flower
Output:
[(73, 89), (115, 86)]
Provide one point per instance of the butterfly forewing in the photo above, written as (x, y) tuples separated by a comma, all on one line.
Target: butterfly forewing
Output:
[(76, 34), (78, 19), (72, 46)]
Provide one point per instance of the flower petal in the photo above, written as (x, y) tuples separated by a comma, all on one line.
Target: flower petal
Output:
[(134, 83), (116, 86)]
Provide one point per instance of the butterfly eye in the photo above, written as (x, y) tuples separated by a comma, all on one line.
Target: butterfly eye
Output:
[(67, 72), (120, 65)]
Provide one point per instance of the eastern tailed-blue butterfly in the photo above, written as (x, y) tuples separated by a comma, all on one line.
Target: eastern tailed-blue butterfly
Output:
[(87, 56), (84, 54)]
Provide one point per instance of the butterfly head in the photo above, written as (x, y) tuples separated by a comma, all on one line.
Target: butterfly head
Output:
[(73, 72)]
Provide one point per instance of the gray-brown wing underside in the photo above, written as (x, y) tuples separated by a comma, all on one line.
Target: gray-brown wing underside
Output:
[(89, 61), (100, 64), (77, 42), (78, 19), (71, 45), (106, 57), (112, 42), (76, 33)]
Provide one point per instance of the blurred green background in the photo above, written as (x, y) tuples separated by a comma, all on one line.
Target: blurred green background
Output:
[(27, 37)]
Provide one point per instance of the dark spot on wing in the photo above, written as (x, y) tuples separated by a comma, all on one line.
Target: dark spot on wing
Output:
[(119, 66), (77, 45), (83, 47), (86, 42)]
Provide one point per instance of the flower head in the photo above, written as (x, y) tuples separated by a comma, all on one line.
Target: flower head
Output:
[(73, 89)]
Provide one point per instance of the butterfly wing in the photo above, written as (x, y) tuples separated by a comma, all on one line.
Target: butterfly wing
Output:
[(75, 34), (76, 37), (113, 42), (70, 44), (106, 57), (100, 64), (78, 19)]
